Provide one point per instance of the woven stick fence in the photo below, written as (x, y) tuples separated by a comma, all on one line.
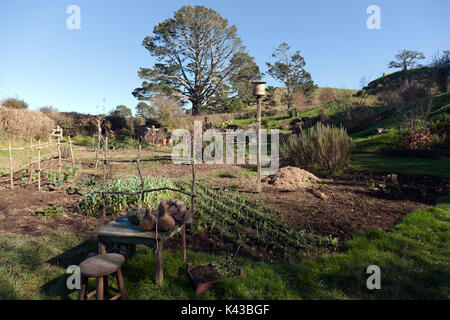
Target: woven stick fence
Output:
[(143, 191), (38, 160)]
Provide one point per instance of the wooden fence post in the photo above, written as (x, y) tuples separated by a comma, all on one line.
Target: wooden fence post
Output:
[(104, 175), (50, 138), (11, 173), (71, 152), (99, 128), (59, 155), (30, 178), (39, 164)]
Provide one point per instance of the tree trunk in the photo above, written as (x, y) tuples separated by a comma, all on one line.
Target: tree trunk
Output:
[(195, 108)]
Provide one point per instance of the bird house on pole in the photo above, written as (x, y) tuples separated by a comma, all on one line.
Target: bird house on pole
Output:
[(259, 88)]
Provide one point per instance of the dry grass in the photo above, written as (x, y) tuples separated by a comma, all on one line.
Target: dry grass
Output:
[(24, 124)]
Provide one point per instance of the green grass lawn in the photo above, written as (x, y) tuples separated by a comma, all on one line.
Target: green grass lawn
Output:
[(414, 259), (438, 168)]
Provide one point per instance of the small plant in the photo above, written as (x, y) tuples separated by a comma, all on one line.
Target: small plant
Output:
[(49, 212), (71, 173), (23, 181), (56, 178), (226, 268), (87, 182)]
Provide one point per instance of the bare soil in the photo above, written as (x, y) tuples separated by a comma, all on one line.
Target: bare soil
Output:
[(352, 203)]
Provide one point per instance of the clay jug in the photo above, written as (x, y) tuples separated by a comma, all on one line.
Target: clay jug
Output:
[(148, 222), (165, 221)]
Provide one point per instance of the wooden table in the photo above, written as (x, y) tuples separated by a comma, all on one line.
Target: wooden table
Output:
[(122, 231)]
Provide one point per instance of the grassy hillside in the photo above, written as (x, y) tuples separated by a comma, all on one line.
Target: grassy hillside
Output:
[(368, 141)]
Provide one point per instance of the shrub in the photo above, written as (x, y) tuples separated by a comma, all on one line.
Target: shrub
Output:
[(319, 148), (265, 122), (24, 124), (13, 103), (326, 95), (419, 139)]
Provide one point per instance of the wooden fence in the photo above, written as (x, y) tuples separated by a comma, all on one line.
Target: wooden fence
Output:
[(36, 161)]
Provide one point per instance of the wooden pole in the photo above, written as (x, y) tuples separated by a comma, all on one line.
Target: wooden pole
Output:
[(51, 152), (140, 175), (105, 146), (258, 159), (39, 164), (71, 153), (30, 178), (11, 173), (99, 128), (59, 155)]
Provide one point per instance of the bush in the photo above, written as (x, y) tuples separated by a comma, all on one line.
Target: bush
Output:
[(13, 103), (320, 148), (24, 124)]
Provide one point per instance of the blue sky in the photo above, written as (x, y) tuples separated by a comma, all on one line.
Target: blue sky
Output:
[(45, 63)]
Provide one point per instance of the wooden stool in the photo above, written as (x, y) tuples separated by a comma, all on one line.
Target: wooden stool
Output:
[(100, 267)]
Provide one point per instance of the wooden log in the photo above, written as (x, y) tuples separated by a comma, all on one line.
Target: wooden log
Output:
[(39, 164), (71, 152), (11, 173), (30, 171), (59, 155)]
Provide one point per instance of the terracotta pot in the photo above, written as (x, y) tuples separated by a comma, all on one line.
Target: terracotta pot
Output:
[(164, 142), (148, 222), (165, 221), (170, 141)]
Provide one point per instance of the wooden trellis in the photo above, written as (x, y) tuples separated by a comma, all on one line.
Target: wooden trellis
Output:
[(38, 160)]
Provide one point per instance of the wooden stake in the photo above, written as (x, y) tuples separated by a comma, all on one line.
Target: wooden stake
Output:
[(11, 173), (59, 155), (99, 128), (51, 152), (140, 176), (71, 152), (104, 176), (30, 178), (183, 243), (39, 164)]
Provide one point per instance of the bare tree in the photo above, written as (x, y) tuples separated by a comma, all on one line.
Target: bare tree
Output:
[(405, 59)]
